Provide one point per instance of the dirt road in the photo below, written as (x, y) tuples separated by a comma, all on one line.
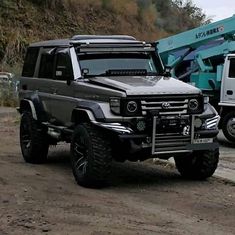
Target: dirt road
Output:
[(142, 198)]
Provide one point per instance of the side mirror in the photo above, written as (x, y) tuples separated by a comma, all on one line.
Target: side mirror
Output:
[(167, 71), (85, 71), (64, 74)]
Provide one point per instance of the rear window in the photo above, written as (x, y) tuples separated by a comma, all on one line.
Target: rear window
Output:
[(30, 62)]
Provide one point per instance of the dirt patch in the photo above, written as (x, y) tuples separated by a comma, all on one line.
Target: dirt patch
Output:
[(142, 198)]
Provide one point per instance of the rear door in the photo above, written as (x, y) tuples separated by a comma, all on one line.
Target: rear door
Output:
[(37, 72)]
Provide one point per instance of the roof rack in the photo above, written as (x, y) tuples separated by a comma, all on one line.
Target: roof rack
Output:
[(90, 37)]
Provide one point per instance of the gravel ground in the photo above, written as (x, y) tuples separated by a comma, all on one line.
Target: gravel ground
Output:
[(142, 198)]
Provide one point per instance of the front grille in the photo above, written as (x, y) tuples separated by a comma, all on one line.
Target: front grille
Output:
[(170, 141), (165, 106)]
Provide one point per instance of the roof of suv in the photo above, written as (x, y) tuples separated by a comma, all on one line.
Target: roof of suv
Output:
[(87, 39)]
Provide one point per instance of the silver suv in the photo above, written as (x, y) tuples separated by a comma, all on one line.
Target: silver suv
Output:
[(111, 98)]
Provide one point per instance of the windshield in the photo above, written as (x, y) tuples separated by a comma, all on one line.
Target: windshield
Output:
[(100, 64)]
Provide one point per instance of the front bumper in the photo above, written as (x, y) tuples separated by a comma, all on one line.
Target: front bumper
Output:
[(128, 142), (139, 142)]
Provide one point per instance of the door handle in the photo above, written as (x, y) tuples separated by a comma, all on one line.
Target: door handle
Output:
[(229, 92)]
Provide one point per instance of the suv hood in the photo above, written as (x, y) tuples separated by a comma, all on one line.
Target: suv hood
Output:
[(149, 85)]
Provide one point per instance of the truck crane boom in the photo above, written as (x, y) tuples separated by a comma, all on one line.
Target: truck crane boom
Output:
[(197, 37)]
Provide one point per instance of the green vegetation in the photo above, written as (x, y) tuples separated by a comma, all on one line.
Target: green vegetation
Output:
[(8, 96), (25, 21)]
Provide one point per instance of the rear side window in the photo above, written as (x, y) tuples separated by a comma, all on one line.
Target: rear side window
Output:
[(232, 68), (47, 64), (30, 62)]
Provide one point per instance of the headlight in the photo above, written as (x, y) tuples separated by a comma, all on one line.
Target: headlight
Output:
[(132, 106), (193, 104), (115, 105), (125, 107), (196, 105)]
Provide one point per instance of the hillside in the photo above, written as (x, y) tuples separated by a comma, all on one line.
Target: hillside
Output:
[(25, 21)]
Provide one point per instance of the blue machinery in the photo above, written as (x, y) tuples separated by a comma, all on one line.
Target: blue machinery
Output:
[(197, 55)]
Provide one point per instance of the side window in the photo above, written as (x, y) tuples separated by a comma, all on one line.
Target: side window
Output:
[(63, 68), (30, 62), (46, 63), (232, 68)]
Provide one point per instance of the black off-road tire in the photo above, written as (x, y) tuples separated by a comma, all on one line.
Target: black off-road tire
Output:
[(33, 140), (227, 128), (199, 165), (91, 156)]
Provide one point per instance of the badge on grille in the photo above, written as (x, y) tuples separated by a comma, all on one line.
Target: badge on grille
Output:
[(166, 105)]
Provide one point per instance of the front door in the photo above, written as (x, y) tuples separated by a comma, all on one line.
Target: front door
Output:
[(63, 101), (228, 81)]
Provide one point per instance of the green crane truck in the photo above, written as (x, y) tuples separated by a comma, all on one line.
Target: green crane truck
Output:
[(205, 57)]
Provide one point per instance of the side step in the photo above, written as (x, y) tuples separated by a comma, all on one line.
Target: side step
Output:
[(57, 132)]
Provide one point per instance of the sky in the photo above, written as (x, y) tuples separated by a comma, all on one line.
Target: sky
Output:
[(217, 9)]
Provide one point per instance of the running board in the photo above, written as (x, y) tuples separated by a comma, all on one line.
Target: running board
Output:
[(57, 131)]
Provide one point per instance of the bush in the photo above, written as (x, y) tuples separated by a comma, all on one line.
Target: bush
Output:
[(8, 96)]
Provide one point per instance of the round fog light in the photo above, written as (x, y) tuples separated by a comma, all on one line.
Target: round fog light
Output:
[(141, 125), (197, 122)]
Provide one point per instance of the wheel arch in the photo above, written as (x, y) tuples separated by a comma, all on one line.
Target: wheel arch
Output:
[(224, 110), (28, 105), (33, 103), (81, 116)]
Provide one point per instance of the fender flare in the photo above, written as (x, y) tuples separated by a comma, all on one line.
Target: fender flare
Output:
[(26, 104), (82, 115), (32, 102)]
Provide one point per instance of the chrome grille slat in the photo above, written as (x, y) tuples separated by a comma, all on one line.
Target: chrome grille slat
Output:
[(159, 108), (170, 144), (166, 149), (167, 135), (160, 102), (176, 112), (172, 140)]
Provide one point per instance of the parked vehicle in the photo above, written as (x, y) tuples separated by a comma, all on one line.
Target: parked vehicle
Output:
[(5, 78), (110, 97)]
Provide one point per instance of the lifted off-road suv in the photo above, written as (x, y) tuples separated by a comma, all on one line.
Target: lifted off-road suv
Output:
[(110, 97)]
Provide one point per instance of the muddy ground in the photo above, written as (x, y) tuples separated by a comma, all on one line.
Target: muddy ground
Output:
[(142, 198)]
